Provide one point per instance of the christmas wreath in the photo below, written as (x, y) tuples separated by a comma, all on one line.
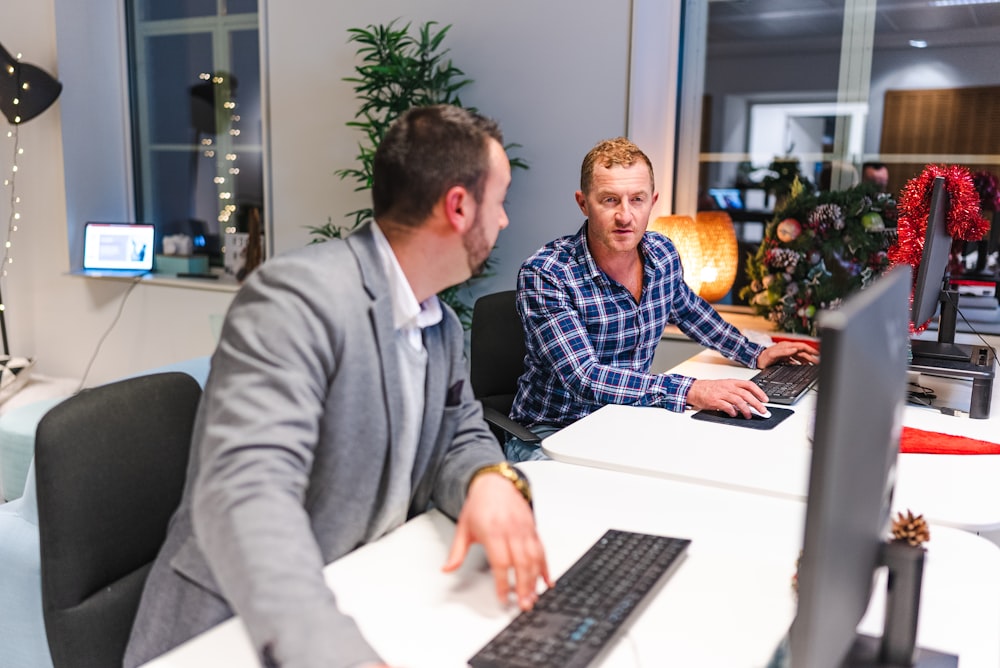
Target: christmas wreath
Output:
[(819, 248), (965, 220)]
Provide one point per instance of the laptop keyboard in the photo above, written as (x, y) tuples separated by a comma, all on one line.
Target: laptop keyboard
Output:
[(786, 383), (573, 621)]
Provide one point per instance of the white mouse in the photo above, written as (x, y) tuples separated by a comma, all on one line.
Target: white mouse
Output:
[(754, 412)]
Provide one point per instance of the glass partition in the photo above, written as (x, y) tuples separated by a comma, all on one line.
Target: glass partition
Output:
[(817, 88)]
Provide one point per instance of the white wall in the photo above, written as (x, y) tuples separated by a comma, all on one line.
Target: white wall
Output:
[(539, 68), (555, 74)]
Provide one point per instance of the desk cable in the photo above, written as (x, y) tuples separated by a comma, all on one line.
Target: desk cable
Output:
[(121, 307)]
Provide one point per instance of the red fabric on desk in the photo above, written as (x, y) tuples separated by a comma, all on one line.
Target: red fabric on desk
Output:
[(920, 442)]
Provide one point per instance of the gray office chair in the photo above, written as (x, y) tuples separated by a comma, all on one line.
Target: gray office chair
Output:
[(110, 464), (496, 361)]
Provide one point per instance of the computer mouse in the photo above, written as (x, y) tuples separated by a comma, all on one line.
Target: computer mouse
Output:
[(756, 413)]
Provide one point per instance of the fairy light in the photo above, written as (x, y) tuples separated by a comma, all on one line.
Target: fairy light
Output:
[(14, 215), (224, 179), (28, 99)]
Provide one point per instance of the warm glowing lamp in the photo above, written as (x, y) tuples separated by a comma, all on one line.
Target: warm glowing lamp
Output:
[(682, 231), (708, 250), (720, 254)]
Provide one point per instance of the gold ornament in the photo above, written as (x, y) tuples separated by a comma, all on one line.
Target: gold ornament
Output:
[(909, 529)]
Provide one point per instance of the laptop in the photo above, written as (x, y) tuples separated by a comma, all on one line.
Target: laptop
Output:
[(117, 249)]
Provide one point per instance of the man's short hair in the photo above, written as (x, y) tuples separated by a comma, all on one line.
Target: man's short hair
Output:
[(425, 152), (611, 152)]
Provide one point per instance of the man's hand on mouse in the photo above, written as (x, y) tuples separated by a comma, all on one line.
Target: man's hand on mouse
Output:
[(731, 396)]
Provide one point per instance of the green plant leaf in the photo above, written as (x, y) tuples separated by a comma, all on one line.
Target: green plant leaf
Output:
[(396, 71)]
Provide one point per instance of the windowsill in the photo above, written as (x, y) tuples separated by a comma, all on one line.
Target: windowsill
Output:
[(741, 317), (222, 283)]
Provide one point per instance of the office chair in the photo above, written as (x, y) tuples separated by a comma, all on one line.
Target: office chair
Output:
[(110, 466), (497, 361)]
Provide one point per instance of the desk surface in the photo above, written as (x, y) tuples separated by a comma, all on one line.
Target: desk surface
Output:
[(956, 490), (728, 604)]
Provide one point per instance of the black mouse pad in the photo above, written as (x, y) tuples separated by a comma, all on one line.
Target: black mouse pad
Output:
[(777, 415)]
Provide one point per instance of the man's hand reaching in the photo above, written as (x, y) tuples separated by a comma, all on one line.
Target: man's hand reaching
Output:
[(497, 516), (790, 351)]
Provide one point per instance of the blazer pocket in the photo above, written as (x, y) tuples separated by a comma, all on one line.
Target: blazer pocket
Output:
[(454, 396)]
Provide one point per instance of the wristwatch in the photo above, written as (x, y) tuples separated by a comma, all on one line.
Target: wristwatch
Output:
[(511, 473)]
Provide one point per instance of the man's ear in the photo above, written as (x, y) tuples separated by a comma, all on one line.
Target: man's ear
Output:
[(581, 201), (459, 208)]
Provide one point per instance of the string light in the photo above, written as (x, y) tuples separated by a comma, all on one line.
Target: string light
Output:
[(13, 215), (222, 179), (27, 99)]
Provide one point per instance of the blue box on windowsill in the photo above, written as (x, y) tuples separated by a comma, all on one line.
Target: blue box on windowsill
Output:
[(180, 264)]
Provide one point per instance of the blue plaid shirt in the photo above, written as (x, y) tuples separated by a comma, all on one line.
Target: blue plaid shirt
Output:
[(589, 343)]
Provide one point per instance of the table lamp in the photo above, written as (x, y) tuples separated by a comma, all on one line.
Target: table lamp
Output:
[(25, 92), (708, 250), (720, 253)]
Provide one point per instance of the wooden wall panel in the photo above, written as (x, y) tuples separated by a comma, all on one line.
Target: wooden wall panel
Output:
[(946, 122)]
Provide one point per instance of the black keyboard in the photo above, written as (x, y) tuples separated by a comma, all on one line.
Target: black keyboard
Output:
[(573, 621), (786, 383)]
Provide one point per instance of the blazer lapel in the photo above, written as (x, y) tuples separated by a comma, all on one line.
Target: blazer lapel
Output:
[(380, 315)]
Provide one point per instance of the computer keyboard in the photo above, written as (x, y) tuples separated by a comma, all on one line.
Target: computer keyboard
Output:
[(574, 620), (786, 383)]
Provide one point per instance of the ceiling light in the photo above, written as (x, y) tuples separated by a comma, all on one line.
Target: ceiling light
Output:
[(955, 3), (918, 43)]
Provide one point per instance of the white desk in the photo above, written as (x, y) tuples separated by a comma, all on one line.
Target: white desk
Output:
[(728, 604), (956, 490)]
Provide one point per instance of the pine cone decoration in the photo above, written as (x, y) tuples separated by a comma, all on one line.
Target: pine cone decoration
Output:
[(910, 529), (826, 216)]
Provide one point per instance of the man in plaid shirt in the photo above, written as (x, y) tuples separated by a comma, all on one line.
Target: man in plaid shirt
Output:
[(595, 304)]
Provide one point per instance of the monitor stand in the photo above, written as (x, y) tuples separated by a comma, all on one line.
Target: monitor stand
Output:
[(864, 654), (946, 358), (945, 347), (938, 350), (897, 647)]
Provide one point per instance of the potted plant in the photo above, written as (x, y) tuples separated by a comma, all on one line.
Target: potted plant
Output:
[(398, 70)]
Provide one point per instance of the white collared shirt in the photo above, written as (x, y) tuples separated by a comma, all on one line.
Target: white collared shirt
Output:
[(408, 315), (409, 318)]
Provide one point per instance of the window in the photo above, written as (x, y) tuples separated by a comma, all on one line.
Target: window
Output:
[(196, 118), (817, 84)]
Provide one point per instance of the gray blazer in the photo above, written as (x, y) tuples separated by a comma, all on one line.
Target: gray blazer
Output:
[(294, 443)]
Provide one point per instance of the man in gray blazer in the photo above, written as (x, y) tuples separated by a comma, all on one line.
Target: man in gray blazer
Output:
[(338, 406)]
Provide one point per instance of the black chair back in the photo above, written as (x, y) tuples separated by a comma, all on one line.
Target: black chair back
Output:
[(110, 465), (496, 361), (496, 354)]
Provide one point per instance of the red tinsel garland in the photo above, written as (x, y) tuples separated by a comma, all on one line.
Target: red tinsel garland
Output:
[(965, 218)]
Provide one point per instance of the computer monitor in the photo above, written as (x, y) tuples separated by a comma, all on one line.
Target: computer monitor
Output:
[(861, 392), (931, 285), (727, 198)]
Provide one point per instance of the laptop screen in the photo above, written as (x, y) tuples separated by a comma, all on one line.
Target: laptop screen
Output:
[(118, 246)]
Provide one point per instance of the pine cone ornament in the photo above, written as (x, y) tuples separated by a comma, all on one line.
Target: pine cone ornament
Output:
[(826, 217), (909, 529)]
